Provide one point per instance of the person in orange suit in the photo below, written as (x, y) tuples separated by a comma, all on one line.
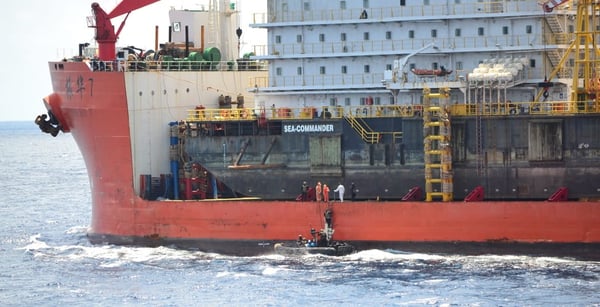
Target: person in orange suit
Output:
[(325, 193), (319, 191)]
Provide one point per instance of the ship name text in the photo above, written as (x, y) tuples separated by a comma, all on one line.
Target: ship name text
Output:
[(307, 128)]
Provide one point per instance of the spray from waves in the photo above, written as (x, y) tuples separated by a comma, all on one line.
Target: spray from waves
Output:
[(371, 262)]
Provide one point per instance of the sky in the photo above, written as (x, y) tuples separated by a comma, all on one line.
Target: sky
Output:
[(35, 32)]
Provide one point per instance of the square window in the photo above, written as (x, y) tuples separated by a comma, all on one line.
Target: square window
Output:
[(480, 31), (344, 69), (388, 35), (367, 69), (278, 71), (342, 5), (366, 36), (505, 30), (277, 39), (299, 71), (433, 33), (298, 38), (528, 29), (411, 34), (457, 32), (321, 37), (322, 70), (343, 37), (307, 6)]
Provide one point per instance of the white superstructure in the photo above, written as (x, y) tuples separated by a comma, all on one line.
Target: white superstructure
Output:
[(348, 52)]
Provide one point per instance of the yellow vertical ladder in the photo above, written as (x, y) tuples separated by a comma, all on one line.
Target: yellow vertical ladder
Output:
[(437, 149)]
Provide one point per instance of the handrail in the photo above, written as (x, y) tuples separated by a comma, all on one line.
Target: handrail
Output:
[(354, 114), (365, 132)]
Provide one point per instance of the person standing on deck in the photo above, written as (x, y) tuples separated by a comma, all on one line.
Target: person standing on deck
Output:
[(319, 192), (304, 191), (353, 191), (325, 193), (340, 189)]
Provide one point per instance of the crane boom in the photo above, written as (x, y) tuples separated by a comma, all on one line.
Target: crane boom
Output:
[(105, 31), (549, 6)]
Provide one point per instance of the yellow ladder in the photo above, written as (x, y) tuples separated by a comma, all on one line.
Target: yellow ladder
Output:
[(438, 152)]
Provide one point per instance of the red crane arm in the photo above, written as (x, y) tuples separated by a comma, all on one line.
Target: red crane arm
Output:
[(105, 31)]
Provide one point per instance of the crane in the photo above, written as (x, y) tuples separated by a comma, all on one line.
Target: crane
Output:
[(105, 31), (549, 6), (401, 63), (584, 52)]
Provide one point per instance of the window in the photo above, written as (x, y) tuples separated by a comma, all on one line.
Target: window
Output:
[(456, 1), (333, 102), (505, 30), (347, 101), (342, 5), (366, 36), (307, 6), (366, 4), (402, 2), (299, 71), (277, 39), (377, 100), (367, 69), (388, 35), (412, 66), (480, 31), (411, 34), (388, 66), (532, 63), (278, 71), (434, 65), (425, 2), (433, 33), (459, 65), (457, 32), (343, 37), (391, 100), (528, 29), (344, 69), (322, 70), (298, 38), (321, 37)]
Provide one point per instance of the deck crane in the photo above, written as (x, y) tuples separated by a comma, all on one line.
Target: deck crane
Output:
[(401, 63), (105, 31), (549, 6), (584, 52)]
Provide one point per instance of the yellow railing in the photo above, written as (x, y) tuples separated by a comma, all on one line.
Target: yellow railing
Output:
[(382, 111), (365, 132)]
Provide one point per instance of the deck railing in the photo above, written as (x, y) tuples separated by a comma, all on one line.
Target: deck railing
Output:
[(549, 108)]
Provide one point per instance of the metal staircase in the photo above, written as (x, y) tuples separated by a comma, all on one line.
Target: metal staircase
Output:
[(363, 129)]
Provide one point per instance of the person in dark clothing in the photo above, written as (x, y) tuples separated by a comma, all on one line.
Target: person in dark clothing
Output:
[(304, 190), (353, 191)]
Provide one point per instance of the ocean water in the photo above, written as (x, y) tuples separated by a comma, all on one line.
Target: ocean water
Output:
[(46, 259)]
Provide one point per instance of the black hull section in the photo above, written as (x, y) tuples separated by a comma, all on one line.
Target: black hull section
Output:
[(511, 157), (247, 248)]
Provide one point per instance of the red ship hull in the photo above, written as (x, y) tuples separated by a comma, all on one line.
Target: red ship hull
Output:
[(95, 110)]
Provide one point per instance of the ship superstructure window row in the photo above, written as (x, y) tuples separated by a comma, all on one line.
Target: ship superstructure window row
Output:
[(344, 10)]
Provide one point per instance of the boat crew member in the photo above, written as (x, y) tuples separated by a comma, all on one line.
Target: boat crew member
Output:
[(304, 190), (319, 191), (325, 193), (340, 189), (353, 191)]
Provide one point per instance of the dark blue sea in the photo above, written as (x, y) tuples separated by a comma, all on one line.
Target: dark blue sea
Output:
[(46, 260)]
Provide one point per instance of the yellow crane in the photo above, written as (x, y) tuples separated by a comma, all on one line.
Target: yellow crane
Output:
[(584, 52)]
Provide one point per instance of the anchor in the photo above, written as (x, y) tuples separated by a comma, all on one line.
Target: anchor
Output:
[(51, 125)]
